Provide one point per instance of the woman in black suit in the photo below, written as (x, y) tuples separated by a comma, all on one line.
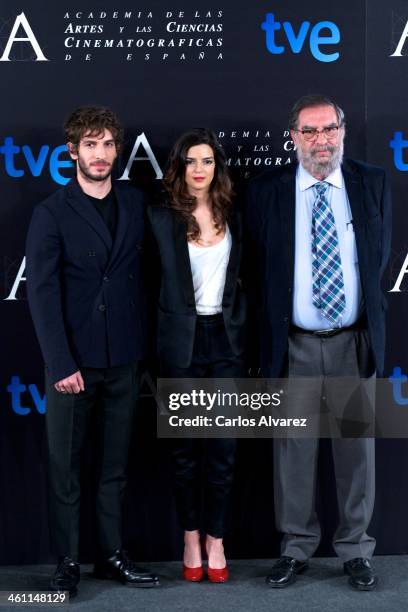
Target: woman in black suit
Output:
[(200, 325)]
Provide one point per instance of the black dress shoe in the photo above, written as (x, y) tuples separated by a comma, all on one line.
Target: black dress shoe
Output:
[(362, 576), (66, 577), (119, 567), (284, 572)]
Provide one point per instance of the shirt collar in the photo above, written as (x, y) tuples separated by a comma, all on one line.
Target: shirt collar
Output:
[(306, 180)]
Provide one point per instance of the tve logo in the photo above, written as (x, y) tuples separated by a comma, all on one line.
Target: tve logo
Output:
[(16, 389), (14, 156), (399, 143), (297, 40), (397, 380), (36, 162), (26, 399)]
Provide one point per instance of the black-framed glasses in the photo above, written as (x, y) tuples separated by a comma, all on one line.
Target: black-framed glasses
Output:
[(330, 132)]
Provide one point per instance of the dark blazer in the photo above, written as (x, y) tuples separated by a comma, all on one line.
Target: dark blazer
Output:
[(270, 215), (84, 289), (177, 314)]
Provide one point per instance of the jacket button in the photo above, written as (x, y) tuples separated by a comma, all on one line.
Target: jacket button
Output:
[(290, 290), (132, 303), (131, 276), (102, 307), (106, 279), (285, 319)]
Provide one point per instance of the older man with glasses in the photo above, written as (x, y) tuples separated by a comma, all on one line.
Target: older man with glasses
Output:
[(321, 231)]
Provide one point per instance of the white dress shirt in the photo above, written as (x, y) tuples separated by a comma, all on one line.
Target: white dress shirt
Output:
[(305, 314)]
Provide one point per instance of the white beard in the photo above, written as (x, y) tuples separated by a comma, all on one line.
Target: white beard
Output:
[(321, 168)]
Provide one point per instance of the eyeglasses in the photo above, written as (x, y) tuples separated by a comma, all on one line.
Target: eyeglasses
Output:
[(330, 132)]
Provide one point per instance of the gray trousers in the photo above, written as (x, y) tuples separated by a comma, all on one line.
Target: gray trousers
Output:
[(346, 354)]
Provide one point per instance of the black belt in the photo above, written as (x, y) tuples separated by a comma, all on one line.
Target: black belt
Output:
[(325, 333)]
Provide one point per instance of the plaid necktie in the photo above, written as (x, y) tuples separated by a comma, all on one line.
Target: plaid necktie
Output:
[(328, 284)]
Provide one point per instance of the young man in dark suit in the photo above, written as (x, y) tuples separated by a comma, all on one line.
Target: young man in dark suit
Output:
[(322, 232), (86, 301)]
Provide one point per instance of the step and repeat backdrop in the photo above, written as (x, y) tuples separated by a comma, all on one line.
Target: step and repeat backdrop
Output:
[(164, 67)]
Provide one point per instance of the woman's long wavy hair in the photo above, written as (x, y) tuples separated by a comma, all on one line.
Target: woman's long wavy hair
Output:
[(179, 198)]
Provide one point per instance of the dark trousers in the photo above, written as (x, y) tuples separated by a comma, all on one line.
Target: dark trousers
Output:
[(346, 354), (108, 404), (199, 462)]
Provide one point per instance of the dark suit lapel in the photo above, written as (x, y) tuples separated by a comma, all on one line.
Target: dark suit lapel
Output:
[(234, 224), (287, 206), (78, 200), (183, 258), (355, 193), (123, 222), (233, 262)]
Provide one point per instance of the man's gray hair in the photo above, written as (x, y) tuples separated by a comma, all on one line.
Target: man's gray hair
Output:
[(309, 101)]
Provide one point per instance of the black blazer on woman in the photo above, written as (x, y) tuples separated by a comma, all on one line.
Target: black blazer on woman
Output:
[(177, 313)]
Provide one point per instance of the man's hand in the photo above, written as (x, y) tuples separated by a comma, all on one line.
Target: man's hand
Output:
[(71, 384)]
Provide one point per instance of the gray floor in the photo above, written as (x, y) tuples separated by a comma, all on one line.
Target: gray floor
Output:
[(323, 587)]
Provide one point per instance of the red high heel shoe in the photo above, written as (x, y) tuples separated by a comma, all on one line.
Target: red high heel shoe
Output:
[(193, 574), (218, 575), (214, 574)]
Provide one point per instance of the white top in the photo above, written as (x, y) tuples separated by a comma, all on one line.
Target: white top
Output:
[(209, 269), (305, 314)]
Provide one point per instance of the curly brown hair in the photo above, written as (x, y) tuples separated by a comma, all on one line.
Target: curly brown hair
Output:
[(92, 120), (221, 192)]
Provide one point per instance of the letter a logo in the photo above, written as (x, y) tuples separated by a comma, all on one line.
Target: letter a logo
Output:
[(401, 43), (21, 21)]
